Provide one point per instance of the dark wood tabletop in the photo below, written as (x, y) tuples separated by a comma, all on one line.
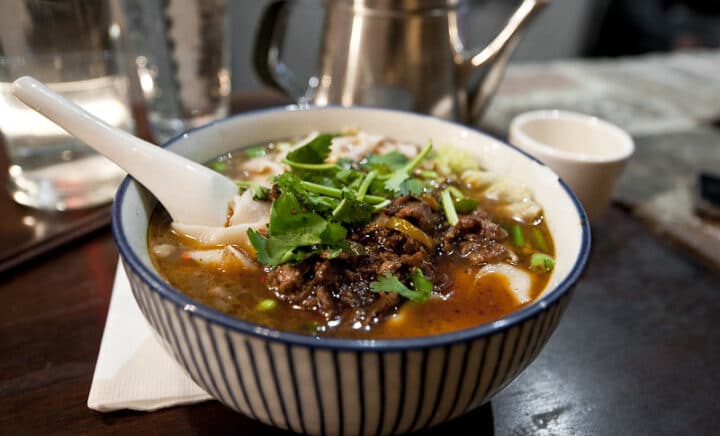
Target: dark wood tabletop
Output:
[(637, 351)]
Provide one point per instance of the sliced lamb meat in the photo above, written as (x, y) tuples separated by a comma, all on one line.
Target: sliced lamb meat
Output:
[(415, 210), (476, 238), (340, 286)]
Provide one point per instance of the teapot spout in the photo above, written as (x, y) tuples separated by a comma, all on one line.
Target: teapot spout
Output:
[(489, 64)]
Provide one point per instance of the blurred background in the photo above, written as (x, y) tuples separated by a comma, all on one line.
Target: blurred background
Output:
[(565, 29)]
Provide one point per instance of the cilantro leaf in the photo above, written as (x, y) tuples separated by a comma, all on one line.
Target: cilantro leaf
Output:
[(259, 192), (314, 151), (287, 216), (334, 234), (421, 284), (412, 186), (294, 234), (276, 250), (422, 287), (395, 182), (351, 210), (390, 161), (317, 203), (286, 182)]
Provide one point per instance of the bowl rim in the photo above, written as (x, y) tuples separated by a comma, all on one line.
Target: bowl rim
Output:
[(157, 284)]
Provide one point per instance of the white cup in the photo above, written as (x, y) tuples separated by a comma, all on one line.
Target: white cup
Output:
[(589, 154)]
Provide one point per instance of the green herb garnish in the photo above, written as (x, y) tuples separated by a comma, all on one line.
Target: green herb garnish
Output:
[(219, 166), (254, 152), (367, 180), (266, 305), (398, 179), (539, 240), (541, 263), (334, 192), (314, 151), (448, 207), (387, 162), (319, 198), (517, 235), (461, 203), (421, 286), (351, 210), (465, 205), (294, 234), (259, 192)]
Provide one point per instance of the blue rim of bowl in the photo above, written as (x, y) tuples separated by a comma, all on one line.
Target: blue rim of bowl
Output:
[(157, 284)]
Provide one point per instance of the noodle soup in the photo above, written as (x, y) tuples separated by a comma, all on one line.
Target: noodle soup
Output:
[(356, 235)]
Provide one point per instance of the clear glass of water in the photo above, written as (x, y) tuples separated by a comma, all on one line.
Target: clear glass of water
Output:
[(180, 53), (71, 46)]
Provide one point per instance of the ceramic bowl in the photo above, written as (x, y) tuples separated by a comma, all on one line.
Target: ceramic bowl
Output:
[(330, 386)]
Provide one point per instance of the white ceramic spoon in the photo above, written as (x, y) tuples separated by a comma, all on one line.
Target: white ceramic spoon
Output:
[(191, 193)]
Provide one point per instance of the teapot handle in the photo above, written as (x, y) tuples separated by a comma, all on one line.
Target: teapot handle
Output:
[(271, 70), (503, 41), (496, 54)]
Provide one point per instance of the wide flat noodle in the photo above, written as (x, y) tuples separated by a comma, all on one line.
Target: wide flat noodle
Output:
[(262, 169), (246, 210), (247, 214), (353, 147), (520, 281), (228, 257), (208, 236)]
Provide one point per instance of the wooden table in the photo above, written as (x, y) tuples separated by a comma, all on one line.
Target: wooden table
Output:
[(637, 351)]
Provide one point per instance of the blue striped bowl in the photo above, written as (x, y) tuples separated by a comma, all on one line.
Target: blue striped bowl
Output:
[(341, 386)]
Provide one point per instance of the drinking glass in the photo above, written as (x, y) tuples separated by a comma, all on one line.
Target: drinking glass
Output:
[(71, 46), (179, 50)]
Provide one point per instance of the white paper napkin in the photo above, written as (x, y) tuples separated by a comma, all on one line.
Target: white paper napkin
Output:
[(133, 371)]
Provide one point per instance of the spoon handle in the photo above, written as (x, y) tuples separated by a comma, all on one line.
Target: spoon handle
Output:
[(191, 193)]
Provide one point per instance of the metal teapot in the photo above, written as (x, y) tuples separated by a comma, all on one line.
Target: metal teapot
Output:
[(404, 54)]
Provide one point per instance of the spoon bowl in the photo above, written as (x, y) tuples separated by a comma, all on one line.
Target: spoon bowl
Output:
[(189, 191)]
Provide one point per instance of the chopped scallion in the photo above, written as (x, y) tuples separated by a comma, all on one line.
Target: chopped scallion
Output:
[(541, 263), (219, 166), (253, 152), (465, 205), (539, 240), (449, 207), (428, 174), (456, 192), (266, 305), (517, 235)]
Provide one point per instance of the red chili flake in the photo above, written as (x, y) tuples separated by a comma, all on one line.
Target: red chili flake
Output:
[(262, 280), (185, 256)]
